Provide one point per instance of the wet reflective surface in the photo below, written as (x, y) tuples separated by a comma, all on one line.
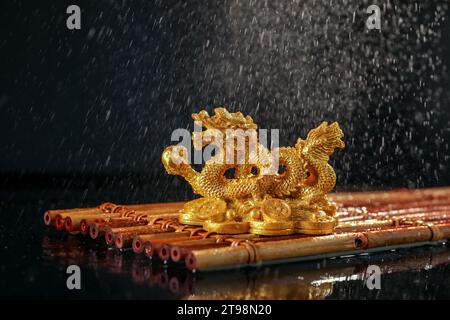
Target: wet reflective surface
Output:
[(421, 273), (34, 261)]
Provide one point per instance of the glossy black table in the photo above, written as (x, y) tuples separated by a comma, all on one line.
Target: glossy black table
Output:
[(34, 258)]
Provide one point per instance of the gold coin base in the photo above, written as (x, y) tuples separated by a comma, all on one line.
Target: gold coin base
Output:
[(272, 228), (315, 227), (227, 227), (269, 227)]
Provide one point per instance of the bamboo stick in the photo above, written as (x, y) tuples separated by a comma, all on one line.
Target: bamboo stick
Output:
[(425, 204), (73, 223), (275, 250), (99, 229), (121, 222), (149, 208), (180, 252), (125, 239), (126, 234), (400, 221), (164, 247), (141, 239), (131, 229), (397, 236), (59, 223), (410, 213), (394, 196), (363, 225), (152, 246), (239, 255), (50, 215)]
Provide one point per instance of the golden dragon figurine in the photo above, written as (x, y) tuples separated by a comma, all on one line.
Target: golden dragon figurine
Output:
[(246, 187)]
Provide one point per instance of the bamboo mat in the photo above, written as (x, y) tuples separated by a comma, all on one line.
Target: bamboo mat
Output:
[(368, 221)]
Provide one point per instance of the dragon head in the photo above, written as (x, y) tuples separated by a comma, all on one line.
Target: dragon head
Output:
[(322, 140)]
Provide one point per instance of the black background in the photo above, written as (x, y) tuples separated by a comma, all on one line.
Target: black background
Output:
[(103, 100)]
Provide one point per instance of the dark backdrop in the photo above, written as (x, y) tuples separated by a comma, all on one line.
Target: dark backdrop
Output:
[(102, 102)]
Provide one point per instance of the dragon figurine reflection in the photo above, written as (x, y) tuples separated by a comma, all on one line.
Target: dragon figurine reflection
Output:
[(246, 187)]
